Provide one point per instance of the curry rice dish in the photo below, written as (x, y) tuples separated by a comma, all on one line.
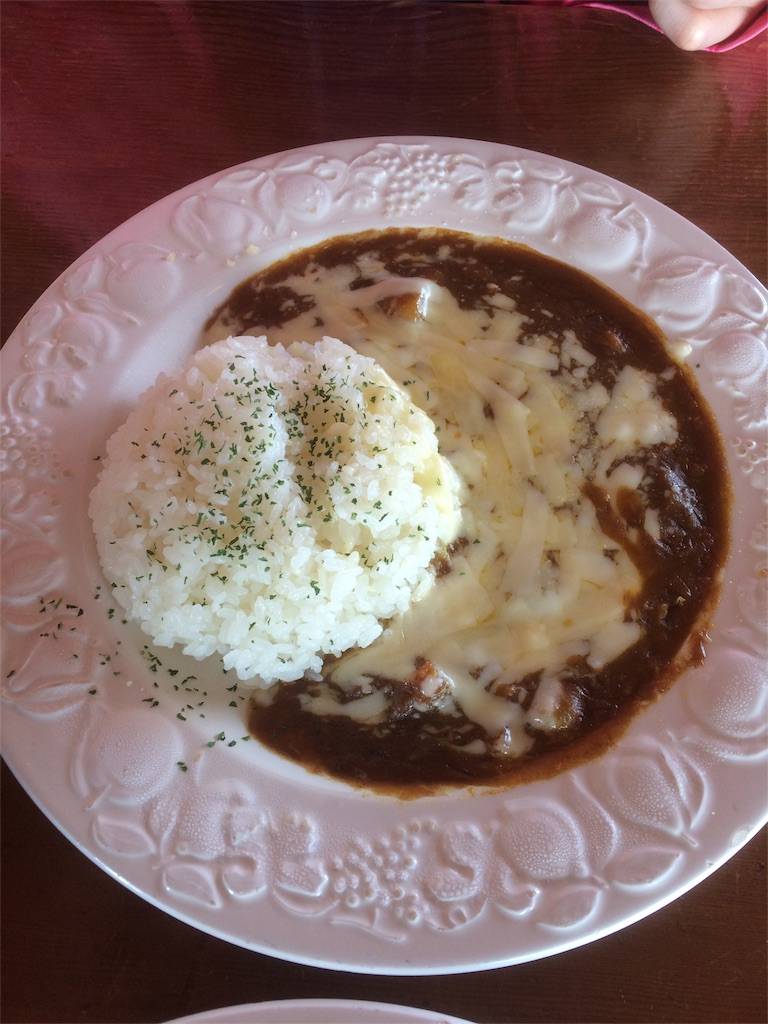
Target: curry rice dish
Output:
[(453, 509)]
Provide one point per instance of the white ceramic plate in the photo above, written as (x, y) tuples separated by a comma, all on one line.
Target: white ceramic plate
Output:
[(319, 1011), (242, 843)]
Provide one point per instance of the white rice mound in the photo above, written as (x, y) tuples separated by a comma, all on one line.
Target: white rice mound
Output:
[(273, 505)]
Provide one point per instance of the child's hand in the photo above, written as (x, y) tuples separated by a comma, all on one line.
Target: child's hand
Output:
[(697, 24)]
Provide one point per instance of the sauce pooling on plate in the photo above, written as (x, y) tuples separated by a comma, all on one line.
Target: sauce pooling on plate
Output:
[(594, 510)]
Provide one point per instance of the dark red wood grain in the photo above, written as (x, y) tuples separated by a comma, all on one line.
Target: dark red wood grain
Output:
[(110, 106)]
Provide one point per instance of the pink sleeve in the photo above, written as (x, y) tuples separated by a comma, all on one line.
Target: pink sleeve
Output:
[(640, 12)]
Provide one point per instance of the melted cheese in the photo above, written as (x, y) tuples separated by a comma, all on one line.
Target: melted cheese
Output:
[(524, 427)]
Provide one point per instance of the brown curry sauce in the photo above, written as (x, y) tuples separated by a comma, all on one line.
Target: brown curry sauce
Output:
[(415, 751)]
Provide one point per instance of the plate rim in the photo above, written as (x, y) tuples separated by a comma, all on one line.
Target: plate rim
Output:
[(420, 1016)]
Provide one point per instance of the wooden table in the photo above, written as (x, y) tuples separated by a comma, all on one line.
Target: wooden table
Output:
[(110, 106)]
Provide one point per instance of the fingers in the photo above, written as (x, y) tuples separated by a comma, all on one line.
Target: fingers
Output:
[(692, 29), (713, 5)]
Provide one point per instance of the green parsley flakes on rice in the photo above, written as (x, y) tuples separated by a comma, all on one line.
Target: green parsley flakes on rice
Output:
[(272, 505)]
